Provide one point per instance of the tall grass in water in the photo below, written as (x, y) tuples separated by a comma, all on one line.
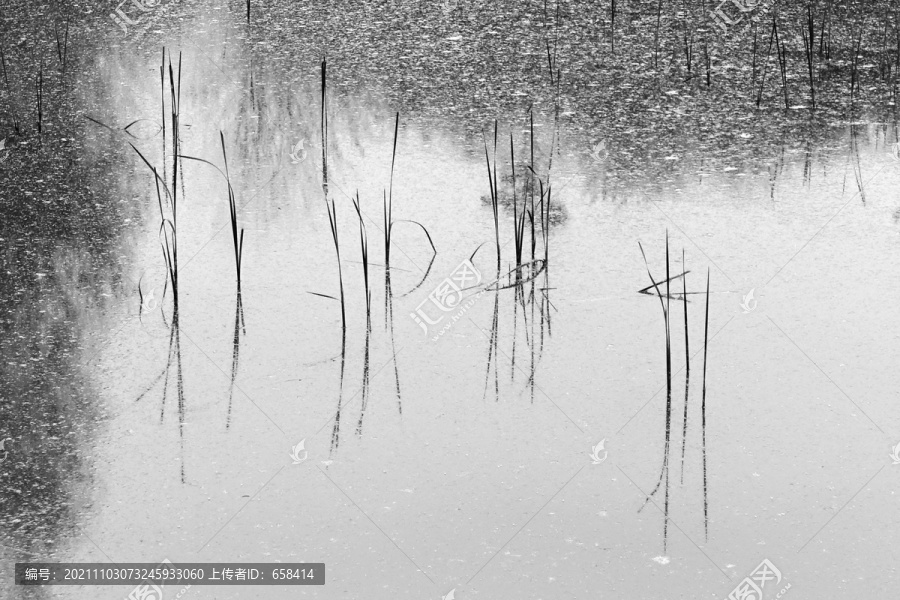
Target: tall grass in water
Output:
[(665, 308), (175, 96), (237, 237), (324, 132), (687, 364), (531, 182), (364, 249), (167, 230), (492, 184), (162, 100), (170, 227), (332, 220), (232, 209), (389, 199), (518, 222)]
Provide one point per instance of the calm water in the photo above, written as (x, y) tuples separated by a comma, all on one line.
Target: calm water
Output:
[(463, 462)]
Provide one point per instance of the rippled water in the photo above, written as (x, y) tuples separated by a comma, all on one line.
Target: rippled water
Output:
[(471, 462)]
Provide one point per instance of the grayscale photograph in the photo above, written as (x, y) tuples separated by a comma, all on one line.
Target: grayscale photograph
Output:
[(449, 299)]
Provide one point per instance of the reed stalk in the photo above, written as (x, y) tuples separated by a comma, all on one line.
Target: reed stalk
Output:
[(364, 249), (518, 223), (665, 309), (687, 364), (332, 220), (492, 185), (389, 199), (232, 209)]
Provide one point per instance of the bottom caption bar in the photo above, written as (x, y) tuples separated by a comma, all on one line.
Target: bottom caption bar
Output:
[(167, 573)]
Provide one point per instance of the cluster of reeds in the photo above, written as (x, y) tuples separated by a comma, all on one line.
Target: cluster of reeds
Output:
[(665, 305), (387, 215), (169, 226), (518, 221), (527, 211)]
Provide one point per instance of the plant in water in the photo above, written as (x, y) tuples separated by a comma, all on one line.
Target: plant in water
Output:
[(232, 209), (518, 222), (388, 200), (332, 220), (492, 184), (665, 309), (364, 249), (687, 364), (167, 229), (236, 236)]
